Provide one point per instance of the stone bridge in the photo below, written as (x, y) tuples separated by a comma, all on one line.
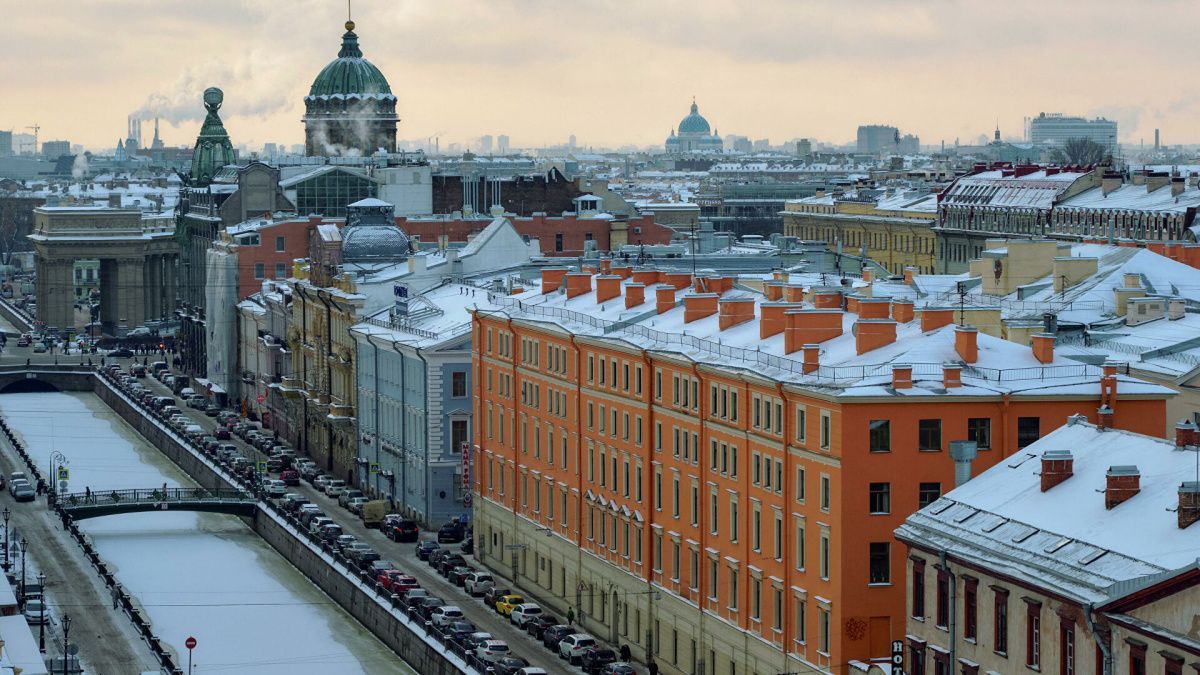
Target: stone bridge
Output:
[(84, 505), (41, 377)]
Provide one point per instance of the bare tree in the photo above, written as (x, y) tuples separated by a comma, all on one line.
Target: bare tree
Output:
[(1080, 151)]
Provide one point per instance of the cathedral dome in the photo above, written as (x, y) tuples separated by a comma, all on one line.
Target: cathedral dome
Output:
[(371, 234), (694, 123), (350, 75)]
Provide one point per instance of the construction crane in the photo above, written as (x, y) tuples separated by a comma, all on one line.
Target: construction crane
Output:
[(36, 128)]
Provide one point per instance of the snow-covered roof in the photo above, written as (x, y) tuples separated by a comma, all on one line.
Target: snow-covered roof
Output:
[(1037, 189), (1064, 538), (435, 316), (1136, 198)]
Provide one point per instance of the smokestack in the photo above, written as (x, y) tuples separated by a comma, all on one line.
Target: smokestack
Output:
[(963, 453), (1057, 466), (1189, 503)]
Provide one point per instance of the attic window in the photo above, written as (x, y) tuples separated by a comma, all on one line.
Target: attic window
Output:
[(1056, 546)]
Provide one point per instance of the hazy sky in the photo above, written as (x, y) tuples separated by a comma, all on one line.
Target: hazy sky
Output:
[(609, 72)]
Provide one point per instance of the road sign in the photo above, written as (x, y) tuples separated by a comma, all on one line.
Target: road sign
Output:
[(64, 473), (62, 486), (467, 499), (374, 468), (72, 649), (261, 398), (262, 467), (190, 643)]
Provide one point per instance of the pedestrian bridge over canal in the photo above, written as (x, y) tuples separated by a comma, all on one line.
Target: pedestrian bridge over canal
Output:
[(84, 505)]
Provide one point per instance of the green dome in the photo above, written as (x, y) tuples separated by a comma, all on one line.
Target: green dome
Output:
[(350, 75), (694, 123)]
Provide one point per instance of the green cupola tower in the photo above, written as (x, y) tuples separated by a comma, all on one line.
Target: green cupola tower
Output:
[(213, 149), (350, 109)]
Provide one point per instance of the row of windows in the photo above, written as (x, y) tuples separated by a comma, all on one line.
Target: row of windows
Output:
[(614, 374), (611, 421), (929, 433), (260, 271)]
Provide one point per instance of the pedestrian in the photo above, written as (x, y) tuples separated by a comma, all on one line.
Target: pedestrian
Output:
[(626, 654), (570, 616), (87, 494), (653, 667), (101, 361)]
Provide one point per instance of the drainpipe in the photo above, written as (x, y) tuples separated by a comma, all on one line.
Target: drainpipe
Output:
[(328, 374), (702, 437), (378, 436), (578, 477), (784, 531), (1105, 647), (648, 561), (403, 436), (953, 619), (425, 433)]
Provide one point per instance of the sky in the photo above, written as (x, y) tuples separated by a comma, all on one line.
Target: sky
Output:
[(610, 72)]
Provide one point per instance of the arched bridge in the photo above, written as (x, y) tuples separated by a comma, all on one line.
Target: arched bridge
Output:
[(40, 377), (84, 505)]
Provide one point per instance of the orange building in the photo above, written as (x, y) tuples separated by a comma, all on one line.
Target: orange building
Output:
[(714, 475)]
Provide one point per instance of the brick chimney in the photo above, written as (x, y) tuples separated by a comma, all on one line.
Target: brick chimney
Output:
[(812, 358), (810, 326), (552, 278), (1104, 418), (868, 275), (773, 290), (1109, 182), (664, 298), (909, 273), (1057, 466), (623, 271), (951, 375), (1189, 503), (901, 376), (578, 283), (1177, 185), (852, 304), (679, 280), (1122, 482), (605, 265), (1043, 347), (827, 299), (697, 306), (646, 277), (774, 319), (871, 334), (1185, 434), (734, 311), (932, 319), (635, 294), (793, 293), (874, 308), (966, 343), (608, 286), (902, 310)]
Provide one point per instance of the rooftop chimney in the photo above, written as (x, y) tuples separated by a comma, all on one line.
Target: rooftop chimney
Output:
[(1185, 434), (578, 283), (1189, 503), (1057, 466), (827, 299), (808, 326), (552, 278), (635, 294), (734, 311), (812, 358), (868, 274), (608, 286), (1122, 482), (909, 273), (951, 375), (773, 290), (697, 306), (932, 319), (677, 279), (793, 292), (1104, 418), (664, 298), (774, 319), (1109, 182), (966, 343), (646, 277), (901, 376), (873, 308), (963, 453), (1043, 347), (902, 310), (1177, 185), (871, 334)]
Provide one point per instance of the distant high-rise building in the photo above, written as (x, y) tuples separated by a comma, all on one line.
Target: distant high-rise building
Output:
[(270, 149), (6, 144), (1057, 129), (1156, 140), (571, 142), (877, 139), (55, 149), (804, 148), (742, 144), (762, 144), (502, 144), (485, 144)]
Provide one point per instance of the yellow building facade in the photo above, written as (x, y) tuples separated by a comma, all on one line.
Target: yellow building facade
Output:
[(893, 231)]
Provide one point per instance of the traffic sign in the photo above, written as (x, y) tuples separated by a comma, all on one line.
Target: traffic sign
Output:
[(62, 486), (261, 398), (374, 468), (64, 473), (190, 643), (262, 467)]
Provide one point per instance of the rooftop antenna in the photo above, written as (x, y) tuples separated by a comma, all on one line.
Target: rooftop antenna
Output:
[(962, 302)]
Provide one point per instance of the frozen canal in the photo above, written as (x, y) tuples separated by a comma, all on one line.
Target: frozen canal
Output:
[(203, 575)]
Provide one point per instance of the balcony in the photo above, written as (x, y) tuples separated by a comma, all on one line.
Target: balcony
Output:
[(341, 414), (291, 387)]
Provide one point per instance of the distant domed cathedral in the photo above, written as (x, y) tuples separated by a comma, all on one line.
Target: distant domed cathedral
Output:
[(350, 109), (694, 135)]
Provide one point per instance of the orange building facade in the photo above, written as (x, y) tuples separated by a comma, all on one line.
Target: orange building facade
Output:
[(712, 476)]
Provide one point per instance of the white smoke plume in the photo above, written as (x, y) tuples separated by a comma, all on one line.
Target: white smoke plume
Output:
[(80, 168), (254, 86)]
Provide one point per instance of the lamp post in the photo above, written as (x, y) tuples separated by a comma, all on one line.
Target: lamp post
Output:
[(24, 544), (66, 624), (7, 514), (42, 617)]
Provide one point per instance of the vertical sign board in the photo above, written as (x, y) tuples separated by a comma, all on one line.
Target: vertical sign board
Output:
[(466, 466), (897, 657)]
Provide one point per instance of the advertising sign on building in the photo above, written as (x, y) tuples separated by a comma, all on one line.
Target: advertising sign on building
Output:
[(466, 466)]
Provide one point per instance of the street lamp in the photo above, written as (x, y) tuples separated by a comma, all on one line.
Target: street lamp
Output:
[(42, 632), (24, 544), (66, 624), (7, 514)]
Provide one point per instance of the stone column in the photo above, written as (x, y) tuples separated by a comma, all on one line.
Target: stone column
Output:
[(59, 312), (42, 285), (171, 283), (108, 294), (131, 290)]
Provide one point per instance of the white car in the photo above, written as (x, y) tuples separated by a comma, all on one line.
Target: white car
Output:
[(36, 611), (477, 583), (523, 614), (491, 650), (446, 614), (335, 487), (573, 646), (275, 488)]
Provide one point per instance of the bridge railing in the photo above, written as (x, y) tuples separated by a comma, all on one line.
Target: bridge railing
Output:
[(152, 496)]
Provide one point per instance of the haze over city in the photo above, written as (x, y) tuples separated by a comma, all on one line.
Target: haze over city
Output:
[(612, 73)]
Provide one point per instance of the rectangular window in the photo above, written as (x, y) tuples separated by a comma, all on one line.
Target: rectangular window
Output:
[(970, 609), (558, 242), (675, 496), (733, 589), (928, 493), (825, 497), (777, 610), (880, 436), (801, 622), (1029, 429), (658, 489), (881, 562), (1033, 635), (280, 244), (824, 555), (823, 627), (1066, 646), (458, 384), (801, 551), (733, 520), (918, 589), (1137, 659), (260, 270), (756, 599), (825, 431), (800, 476), (942, 609), (880, 498), (979, 429), (1000, 621), (801, 420), (280, 271), (929, 435)]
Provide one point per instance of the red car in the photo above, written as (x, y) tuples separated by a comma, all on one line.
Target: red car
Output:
[(396, 581), (290, 477), (221, 433)]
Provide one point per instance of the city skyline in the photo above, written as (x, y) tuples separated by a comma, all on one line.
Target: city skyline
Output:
[(555, 71)]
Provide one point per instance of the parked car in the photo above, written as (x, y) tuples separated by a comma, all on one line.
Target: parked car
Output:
[(425, 548), (343, 541), (508, 665), (468, 546), (459, 574), (36, 611), (618, 668), (412, 595), (531, 670), (476, 583), (442, 616), (22, 491), (355, 505), (275, 488), (491, 650), (350, 493), (492, 595), (212, 410), (554, 634), (457, 630), (537, 626), (573, 646), (425, 607), (595, 658), (448, 562), (402, 529), (473, 640), (451, 533), (524, 613), (352, 550), (506, 604)]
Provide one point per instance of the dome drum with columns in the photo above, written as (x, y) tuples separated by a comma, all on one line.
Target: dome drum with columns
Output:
[(350, 108), (371, 234), (695, 136)]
